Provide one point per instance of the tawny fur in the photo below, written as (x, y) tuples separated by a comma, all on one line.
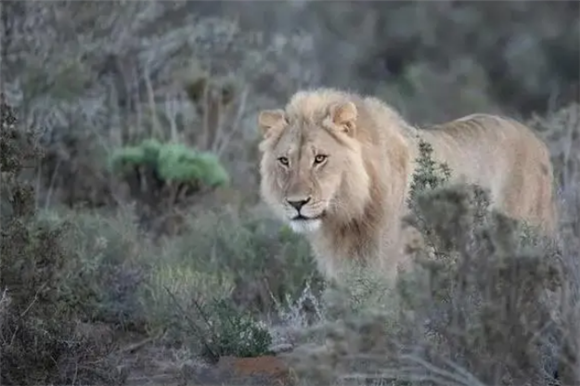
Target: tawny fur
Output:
[(357, 193)]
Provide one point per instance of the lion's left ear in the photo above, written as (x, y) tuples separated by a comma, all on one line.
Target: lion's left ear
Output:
[(268, 119), (344, 115)]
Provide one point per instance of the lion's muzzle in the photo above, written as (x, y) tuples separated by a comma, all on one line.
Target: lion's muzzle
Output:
[(304, 214)]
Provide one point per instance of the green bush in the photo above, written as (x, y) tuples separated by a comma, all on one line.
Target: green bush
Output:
[(171, 163), (162, 175)]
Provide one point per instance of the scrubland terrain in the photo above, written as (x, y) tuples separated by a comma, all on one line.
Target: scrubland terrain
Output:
[(134, 247)]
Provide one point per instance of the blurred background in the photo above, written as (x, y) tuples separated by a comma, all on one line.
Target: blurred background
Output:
[(146, 116), (101, 75)]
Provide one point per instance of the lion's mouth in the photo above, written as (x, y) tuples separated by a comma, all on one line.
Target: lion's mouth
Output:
[(301, 217)]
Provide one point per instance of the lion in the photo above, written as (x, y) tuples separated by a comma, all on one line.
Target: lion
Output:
[(338, 166)]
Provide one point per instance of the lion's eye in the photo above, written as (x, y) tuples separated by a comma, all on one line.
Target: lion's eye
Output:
[(283, 161), (320, 158)]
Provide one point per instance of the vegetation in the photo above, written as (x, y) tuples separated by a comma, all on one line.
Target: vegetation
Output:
[(38, 339), (133, 241), (155, 170)]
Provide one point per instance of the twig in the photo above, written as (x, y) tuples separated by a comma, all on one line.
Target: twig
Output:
[(151, 100), (25, 312), (171, 114), (52, 183), (206, 115), (33, 300), (447, 375), (235, 124), (213, 355), (136, 346)]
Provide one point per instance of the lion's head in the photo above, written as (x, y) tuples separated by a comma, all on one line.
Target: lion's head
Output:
[(312, 168)]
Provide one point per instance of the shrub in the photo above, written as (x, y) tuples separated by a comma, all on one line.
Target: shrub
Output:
[(153, 167), (170, 164), (38, 338), (217, 328), (207, 285), (267, 261), (174, 287), (113, 259), (429, 174), (227, 331)]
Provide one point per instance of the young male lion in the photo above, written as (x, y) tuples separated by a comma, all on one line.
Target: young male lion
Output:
[(338, 166)]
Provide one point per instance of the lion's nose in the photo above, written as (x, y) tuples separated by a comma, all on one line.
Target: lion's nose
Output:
[(298, 204)]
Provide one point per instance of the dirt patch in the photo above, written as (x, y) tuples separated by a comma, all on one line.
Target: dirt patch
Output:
[(270, 369), (154, 364)]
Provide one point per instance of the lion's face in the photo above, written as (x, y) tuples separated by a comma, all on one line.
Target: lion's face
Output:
[(306, 164)]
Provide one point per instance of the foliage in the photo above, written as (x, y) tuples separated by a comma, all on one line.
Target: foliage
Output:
[(267, 263), (123, 279), (230, 331), (172, 287), (37, 338), (429, 173), (171, 163), (221, 329), (111, 265), (161, 175)]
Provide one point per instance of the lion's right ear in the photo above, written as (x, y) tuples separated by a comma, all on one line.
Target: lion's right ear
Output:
[(344, 115), (268, 119)]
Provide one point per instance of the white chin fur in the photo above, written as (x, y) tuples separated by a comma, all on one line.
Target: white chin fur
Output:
[(305, 226)]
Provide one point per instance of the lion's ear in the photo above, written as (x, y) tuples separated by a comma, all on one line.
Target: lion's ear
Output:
[(344, 115), (270, 118)]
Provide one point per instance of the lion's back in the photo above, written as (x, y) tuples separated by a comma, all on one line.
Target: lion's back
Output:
[(504, 156)]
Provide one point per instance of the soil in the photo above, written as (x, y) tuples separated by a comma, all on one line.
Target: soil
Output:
[(152, 364)]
